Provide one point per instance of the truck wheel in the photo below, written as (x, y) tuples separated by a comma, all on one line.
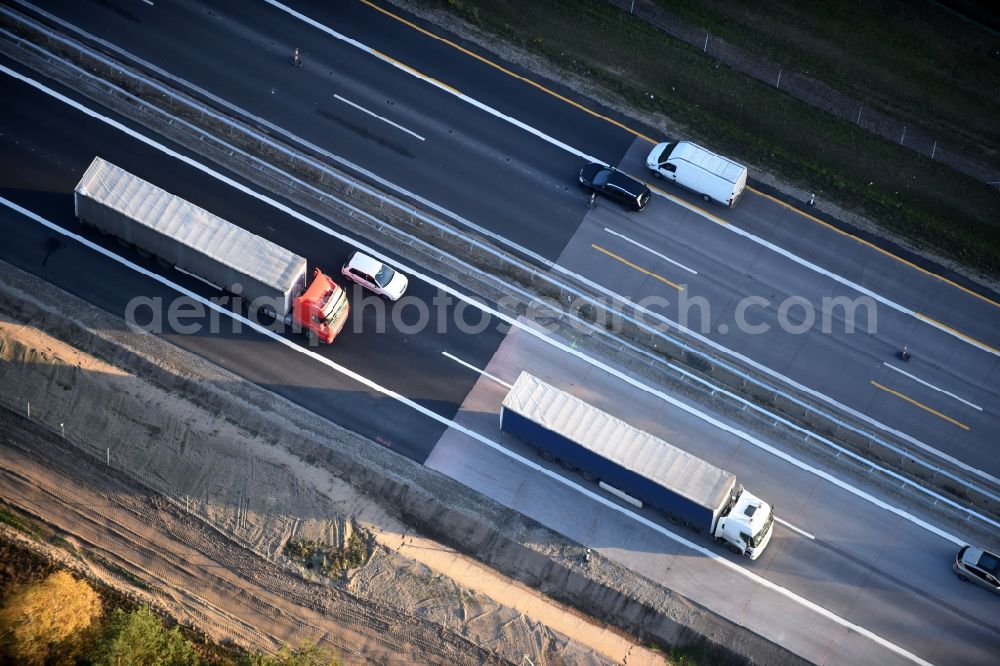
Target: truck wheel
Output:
[(546, 456), (736, 549), (706, 198), (163, 262), (587, 476), (656, 173), (123, 242), (965, 578), (145, 254)]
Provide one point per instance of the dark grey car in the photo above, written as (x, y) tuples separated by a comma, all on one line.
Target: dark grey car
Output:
[(616, 185), (978, 566)]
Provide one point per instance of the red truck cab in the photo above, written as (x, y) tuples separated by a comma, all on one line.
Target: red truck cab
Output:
[(322, 308)]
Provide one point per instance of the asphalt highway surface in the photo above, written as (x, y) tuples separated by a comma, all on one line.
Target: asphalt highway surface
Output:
[(502, 154), (877, 567), (44, 157)]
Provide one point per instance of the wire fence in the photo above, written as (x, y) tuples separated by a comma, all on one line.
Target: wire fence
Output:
[(813, 92), (351, 202)]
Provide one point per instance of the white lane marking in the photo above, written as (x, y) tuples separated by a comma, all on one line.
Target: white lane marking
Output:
[(542, 261), (479, 370), (556, 267), (650, 250), (514, 322), (437, 84), (794, 528), (573, 151), (148, 2), (509, 320), (375, 115), (928, 385), (482, 439), (798, 387)]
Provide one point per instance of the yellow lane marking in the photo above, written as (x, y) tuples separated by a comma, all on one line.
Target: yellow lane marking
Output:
[(628, 129), (970, 340), (685, 204), (506, 71), (638, 268), (920, 405), (868, 244), (416, 73)]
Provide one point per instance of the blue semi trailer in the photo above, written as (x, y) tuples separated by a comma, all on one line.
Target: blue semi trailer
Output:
[(634, 463)]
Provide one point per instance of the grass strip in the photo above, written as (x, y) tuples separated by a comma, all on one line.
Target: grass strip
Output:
[(8, 517), (931, 205), (918, 61)]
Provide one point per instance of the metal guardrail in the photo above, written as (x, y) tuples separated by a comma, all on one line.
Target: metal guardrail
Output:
[(305, 175)]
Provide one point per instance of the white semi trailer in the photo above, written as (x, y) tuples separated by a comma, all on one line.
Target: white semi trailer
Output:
[(268, 277)]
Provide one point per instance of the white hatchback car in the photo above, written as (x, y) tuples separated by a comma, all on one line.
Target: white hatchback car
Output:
[(374, 275)]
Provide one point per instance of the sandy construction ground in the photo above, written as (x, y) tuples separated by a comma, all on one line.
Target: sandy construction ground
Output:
[(180, 505)]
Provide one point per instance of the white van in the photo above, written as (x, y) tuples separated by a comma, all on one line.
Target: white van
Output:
[(711, 176)]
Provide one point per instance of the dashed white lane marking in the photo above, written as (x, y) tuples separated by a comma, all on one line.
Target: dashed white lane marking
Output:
[(931, 386), (707, 418), (382, 118), (574, 151), (482, 439), (479, 370), (650, 250), (794, 528)]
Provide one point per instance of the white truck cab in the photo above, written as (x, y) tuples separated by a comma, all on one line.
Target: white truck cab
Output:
[(747, 527)]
